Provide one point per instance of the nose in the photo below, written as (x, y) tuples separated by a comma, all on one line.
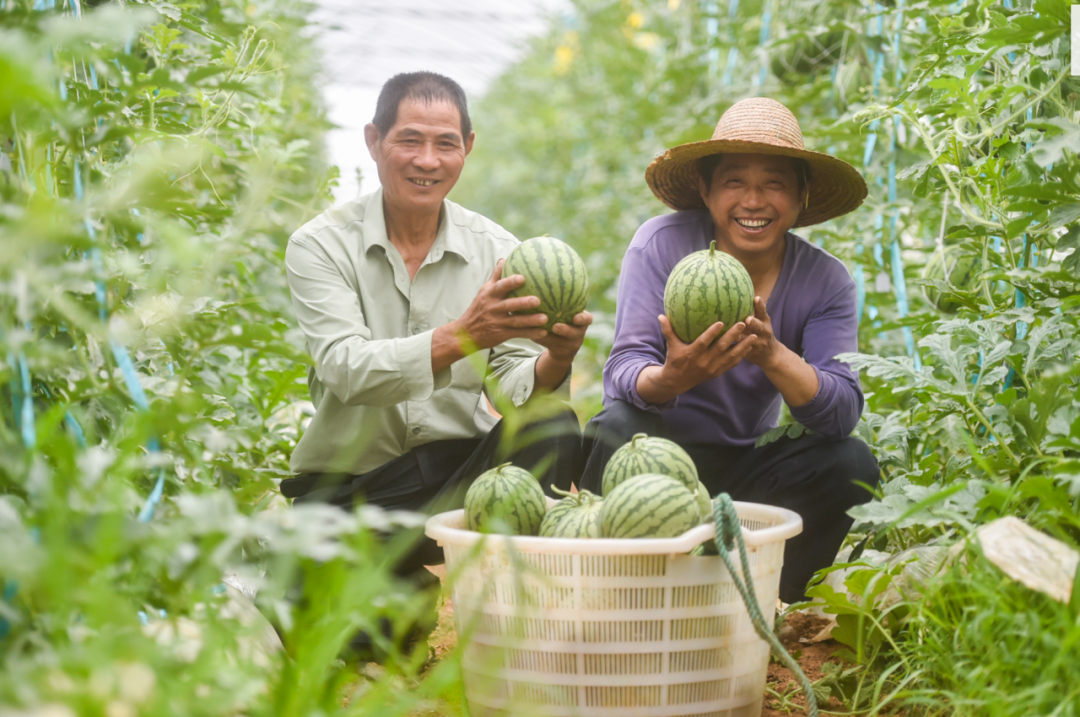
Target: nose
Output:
[(426, 157), (753, 197)]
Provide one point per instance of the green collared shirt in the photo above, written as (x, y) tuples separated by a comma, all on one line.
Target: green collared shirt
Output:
[(369, 330)]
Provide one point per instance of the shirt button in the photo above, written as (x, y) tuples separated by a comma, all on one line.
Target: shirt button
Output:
[(416, 430), (415, 330)]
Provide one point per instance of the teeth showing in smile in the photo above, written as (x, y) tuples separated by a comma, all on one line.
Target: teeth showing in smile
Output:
[(753, 223), (423, 182)]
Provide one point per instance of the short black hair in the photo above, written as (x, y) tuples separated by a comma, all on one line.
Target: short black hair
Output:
[(427, 87), (707, 165)]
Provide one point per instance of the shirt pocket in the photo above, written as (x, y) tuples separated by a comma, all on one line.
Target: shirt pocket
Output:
[(468, 373)]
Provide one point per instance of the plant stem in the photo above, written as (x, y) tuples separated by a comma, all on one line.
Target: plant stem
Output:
[(990, 430)]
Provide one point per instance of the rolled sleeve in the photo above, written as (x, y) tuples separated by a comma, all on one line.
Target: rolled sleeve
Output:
[(639, 343), (835, 409), (514, 366), (355, 368)]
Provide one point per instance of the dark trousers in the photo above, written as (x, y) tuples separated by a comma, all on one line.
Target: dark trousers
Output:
[(435, 477), (815, 477)]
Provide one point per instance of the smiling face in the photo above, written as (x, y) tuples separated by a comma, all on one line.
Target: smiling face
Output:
[(420, 158), (754, 200)]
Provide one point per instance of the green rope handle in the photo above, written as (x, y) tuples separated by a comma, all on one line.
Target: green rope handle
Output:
[(729, 533)]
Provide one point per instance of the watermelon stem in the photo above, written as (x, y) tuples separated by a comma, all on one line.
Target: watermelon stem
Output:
[(637, 437), (712, 248), (566, 494)]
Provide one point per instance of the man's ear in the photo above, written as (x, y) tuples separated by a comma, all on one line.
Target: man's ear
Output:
[(469, 143), (371, 137), (703, 189)]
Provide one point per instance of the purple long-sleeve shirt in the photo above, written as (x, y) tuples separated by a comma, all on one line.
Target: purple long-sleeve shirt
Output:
[(812, 308)]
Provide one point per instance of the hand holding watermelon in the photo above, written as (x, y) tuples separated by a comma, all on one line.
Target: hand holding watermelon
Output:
[(766, 347), (689, 364), (494, 315)]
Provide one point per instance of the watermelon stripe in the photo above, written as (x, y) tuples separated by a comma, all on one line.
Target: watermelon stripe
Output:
[(554, 273), (649, 505), (706, 287)]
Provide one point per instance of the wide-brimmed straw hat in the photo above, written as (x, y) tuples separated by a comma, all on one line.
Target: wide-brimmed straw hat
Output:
[(758, 126)]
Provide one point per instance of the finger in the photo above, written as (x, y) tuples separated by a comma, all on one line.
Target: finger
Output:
[(738, 333), (569, 331), (741, 349), (525, 321), (531, 334), (520, 303), (759, 309), (669, 333), (583, 319), (508, 283), (709, 337), (495, 275)]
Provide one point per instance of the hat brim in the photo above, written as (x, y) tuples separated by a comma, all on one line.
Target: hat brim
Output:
[(836, 187)]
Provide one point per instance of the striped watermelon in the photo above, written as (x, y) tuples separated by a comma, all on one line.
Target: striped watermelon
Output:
[(553, 272), (704, 501), (647, 454), (505, 500), (575, 516), (649, 506), (705, 287), (961, 268)]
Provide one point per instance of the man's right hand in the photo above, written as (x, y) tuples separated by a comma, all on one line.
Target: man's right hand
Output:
[(688, 365), (488, 321)]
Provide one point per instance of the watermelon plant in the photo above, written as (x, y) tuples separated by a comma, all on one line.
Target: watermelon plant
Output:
[(650, 505), (554, 273), (505, 499), (649, 454), (154, 158), (705, 287), (962, 116), (952, 268)]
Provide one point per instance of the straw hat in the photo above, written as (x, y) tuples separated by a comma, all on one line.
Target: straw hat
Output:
[(758, 126)]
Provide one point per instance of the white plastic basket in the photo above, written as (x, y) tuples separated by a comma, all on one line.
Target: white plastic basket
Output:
[(558, 627)]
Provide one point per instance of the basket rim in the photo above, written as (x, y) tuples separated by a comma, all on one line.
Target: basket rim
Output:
[(441, 528)]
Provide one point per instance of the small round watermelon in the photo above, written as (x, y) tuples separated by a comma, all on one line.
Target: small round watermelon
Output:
[(649, 506), (554, 273), (961, 268), (648, 454), (575, 516), (705, 506), (506, 499), (705, 287)]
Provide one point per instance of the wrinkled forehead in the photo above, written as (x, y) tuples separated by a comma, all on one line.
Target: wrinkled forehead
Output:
[(769, 163), (427, 116)]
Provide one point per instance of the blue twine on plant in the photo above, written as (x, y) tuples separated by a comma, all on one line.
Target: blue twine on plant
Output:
[(120, 354), (712, 31), (766, 20), (733, 52)]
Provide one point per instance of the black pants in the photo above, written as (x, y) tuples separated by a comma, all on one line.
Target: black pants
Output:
[(815, 477), (435, 477)]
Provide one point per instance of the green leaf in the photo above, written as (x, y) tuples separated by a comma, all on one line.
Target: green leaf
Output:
[(1064, 214)]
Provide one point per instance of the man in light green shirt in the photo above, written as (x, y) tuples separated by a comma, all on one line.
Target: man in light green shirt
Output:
[(400, 296)]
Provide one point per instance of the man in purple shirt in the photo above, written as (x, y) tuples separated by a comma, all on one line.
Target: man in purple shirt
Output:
[(745, 189)]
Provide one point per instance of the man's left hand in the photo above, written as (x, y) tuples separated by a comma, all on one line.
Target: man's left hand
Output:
[(564, 340), (767, 348)]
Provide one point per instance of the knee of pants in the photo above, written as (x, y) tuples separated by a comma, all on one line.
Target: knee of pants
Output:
[(620, 420), (856, 462)]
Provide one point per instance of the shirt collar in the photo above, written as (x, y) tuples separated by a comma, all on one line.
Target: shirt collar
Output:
[(449, 236)]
